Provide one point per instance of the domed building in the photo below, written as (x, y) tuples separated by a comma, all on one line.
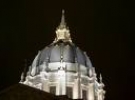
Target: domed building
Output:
[(62, 68)]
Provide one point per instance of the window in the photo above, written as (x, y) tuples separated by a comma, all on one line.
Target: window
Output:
[(84, 93), (53, 89), (69, 92)]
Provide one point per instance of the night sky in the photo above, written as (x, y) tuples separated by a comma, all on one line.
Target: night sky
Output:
[(102, 28)]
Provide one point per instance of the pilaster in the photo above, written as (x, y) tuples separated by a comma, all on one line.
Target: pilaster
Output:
[(90, 94)]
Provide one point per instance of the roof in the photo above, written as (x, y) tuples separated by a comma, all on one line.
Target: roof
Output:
[(65, 51), (23, 92)]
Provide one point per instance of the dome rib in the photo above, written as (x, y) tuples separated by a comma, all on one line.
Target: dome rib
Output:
[(66, 51)]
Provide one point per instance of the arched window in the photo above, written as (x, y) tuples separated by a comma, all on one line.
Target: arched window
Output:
[(84, 94), (69, 92), (53, 89)]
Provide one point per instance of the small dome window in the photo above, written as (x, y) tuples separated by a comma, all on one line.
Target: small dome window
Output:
[(84, 94), (69, 92), (53, 89)]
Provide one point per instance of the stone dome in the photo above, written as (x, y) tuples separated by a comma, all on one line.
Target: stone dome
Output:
[(63, 51), (62, 68)]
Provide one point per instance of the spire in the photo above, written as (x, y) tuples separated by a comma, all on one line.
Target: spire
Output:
[(62, 31), (22, 77), (62, 23), (100, 78)]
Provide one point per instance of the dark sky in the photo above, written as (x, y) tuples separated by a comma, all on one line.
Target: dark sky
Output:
[(102, 28)]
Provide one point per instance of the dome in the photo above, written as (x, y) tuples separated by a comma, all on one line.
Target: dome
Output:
[(63, 51), (62, 68)]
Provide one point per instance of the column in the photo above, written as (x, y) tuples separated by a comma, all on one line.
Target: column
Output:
[(45, 85), (76, 89), (100, 94), (61, 83), (90, 94)]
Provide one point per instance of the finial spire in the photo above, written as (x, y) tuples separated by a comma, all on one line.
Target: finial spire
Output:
[(22, 77), (63, 23), (62, 31), (100, 78)]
